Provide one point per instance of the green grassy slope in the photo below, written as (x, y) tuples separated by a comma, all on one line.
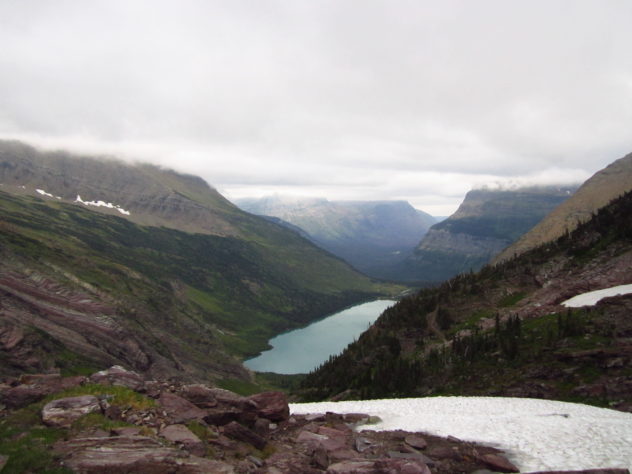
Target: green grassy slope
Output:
[(198, 298)]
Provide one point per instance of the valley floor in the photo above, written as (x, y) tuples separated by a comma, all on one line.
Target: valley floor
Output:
[(535, 434)]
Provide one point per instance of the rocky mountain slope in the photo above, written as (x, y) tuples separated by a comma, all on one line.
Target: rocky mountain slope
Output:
[(149, 195), (603, 187), (81, 290), (486, 222), (502, 331), (368, 234)]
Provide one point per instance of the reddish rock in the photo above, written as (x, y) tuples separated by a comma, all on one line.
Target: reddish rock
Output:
[(64, 411), (361, 444), (154, 388), (178, 409), (401, 466), (133, 454), (224, 396), (261, 426), (272, 405), (241, 433), (22, 395), (422, 458), (342, 454), (126, 431), (35, 387), (416, 442), (498, 463), (334, 433), (352, 467), (222, 416), (330, 444), (320, 458), (117, 375), (182, 435), (315, 417), (198, 394)]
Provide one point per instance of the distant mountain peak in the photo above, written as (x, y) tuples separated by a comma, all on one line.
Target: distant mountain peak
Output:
[(367, 234)]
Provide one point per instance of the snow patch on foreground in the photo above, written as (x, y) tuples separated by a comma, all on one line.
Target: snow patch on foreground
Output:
[(592, 297), (535, 434)]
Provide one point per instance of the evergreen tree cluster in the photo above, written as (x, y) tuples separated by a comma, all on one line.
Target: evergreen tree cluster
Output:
[(401, 354)]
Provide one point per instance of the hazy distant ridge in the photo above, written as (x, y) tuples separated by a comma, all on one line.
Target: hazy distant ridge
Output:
[(367, 234)]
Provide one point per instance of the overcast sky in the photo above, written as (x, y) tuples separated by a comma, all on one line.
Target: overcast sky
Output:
[(415, 100)]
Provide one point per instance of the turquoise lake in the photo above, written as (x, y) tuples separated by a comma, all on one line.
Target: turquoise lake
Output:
[(302, 350)]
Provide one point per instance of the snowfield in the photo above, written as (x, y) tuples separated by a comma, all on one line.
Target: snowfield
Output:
[(592, 297), (535, 434)]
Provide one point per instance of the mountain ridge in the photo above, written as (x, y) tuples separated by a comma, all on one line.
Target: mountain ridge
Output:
[(85, 287), (485, 223), (604, 186), (367, 234)]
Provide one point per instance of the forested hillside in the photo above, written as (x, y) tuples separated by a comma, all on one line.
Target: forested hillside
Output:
[(502, 331)]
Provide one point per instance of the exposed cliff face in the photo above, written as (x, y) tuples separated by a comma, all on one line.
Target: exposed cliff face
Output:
[(605, 186), (485, 223), (367, 234)]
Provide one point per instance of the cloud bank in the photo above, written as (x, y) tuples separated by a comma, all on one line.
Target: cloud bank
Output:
[(415, 100)]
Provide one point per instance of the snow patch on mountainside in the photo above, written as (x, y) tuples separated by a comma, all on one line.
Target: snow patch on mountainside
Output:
[(592, 297), (109, 205), (44, 193), (535, 434)]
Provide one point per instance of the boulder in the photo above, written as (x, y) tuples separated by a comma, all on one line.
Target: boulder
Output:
[(416, 442), (320, 458), (224, 396), (22, 395), (498, 463), (342, 454), (222, 416), (133, 454), (352, 467), (126, 431), (64, 411), (198, 394), (117, 375), (239, 432), (272, 405), (422, 458), (361, 444), (335, 433), (34, 387), (183, 436), (401, 466), (315, 440), (178, 409)]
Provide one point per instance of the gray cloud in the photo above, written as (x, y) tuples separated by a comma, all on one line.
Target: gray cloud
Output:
[(415, 100)]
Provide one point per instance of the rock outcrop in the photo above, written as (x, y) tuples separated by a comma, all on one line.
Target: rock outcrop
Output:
[(178, 432)]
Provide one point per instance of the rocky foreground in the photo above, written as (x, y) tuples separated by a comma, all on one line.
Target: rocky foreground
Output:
[(114, 421)]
